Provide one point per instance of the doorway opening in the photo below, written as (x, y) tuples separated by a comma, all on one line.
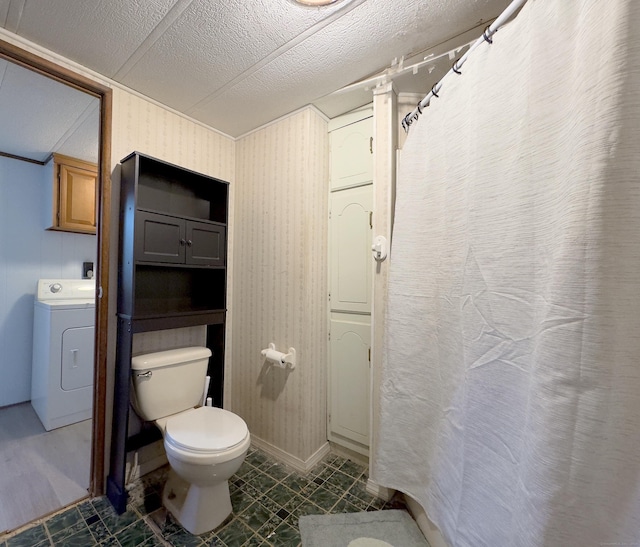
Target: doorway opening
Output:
[(18, 59)]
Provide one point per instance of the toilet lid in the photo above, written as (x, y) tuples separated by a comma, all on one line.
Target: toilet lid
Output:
[(206, 429)]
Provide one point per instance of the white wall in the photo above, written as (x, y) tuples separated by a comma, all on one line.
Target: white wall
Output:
[(28, 252)]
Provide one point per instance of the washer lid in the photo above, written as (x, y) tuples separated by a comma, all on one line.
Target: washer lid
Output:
[(66, 304), (206, 429)]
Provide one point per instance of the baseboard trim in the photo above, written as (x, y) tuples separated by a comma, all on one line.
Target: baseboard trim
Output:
[(302, 466), (379, 491)]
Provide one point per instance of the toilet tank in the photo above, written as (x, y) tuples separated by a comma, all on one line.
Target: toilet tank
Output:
[(167, 382)]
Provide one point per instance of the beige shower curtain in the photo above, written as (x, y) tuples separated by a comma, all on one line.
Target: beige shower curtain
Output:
[(510, 400)]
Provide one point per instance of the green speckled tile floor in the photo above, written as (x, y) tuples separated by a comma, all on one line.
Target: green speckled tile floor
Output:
[(267, 498)]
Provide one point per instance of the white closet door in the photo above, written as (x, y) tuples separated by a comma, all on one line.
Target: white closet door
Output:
[(350, 249), (349, 404), (351, 154)]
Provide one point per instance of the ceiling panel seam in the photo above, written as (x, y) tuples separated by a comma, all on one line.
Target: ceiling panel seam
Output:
[(4, 10), (14, 15), (284, 48), (90, 109), (3, 71), (165, 23)]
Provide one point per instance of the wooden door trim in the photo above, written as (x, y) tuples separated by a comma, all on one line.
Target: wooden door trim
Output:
[(61, 74)]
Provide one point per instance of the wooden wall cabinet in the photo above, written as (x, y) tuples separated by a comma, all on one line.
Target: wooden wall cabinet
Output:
[(172, 274), (74, 195)]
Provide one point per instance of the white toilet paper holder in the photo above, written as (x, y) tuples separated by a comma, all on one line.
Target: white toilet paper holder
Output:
[(279, 359)]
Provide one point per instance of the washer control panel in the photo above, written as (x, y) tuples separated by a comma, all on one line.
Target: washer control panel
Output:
[(66, 289)]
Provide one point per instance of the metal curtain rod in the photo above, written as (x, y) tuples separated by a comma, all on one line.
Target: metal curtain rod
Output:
[(486, 37)]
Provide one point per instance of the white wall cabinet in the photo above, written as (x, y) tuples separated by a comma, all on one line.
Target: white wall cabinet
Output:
[(352, 153), (350, 279)]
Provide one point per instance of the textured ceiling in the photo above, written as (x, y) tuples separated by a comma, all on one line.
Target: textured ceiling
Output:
[(39, 116), (237, 64)]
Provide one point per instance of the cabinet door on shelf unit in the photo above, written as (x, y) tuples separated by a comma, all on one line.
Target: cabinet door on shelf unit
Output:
[(205, 244), (159, 238)]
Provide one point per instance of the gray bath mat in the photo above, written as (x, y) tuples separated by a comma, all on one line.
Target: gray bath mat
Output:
[(366, 529)]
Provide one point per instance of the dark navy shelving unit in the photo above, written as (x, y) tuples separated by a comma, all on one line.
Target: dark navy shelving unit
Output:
[(172, 274)]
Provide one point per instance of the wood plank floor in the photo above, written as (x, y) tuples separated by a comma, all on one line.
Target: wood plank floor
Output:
[(40, 471)]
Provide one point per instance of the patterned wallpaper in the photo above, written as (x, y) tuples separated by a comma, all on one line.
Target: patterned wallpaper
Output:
[(143, 126), (280, 281), (161, 340)]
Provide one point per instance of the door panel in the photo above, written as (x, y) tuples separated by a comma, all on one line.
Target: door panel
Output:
[(159, 238), (205, 244), (350, 344), (77, 199), (351, 260), (351, 154), (77, 358)]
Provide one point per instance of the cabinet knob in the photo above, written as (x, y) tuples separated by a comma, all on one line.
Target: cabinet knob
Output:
[(183, 241), (189, 243)]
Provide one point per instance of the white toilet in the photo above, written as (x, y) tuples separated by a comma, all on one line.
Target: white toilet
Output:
[(204, 445)]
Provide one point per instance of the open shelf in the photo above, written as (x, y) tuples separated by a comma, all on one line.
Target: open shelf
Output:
[(163, 187), (165, 290)]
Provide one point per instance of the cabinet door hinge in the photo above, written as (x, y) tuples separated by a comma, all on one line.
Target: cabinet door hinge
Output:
[(329, 297), (329, 333)]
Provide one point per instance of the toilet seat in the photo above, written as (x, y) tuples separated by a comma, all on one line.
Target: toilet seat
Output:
[(204, 436), (205, 430)]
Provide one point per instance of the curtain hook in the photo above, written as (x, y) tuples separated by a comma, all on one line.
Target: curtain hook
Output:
[(433, 91), (455, 68)]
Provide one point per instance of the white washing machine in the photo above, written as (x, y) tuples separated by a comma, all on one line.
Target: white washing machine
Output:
[(63, 342)]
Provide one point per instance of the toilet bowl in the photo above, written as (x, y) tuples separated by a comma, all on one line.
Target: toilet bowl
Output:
[(205, 446)]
